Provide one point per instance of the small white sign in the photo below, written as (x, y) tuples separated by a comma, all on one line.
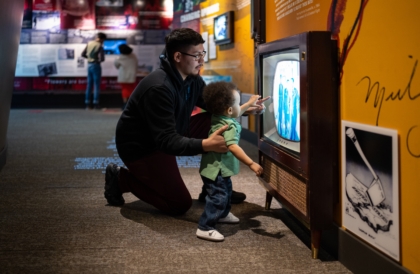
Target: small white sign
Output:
[(212, 47)]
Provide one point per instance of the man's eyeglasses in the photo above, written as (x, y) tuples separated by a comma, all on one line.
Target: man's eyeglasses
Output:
[(196, 57)]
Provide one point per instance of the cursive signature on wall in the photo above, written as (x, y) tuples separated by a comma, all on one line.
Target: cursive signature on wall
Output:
[(408, 145), (380, 96)]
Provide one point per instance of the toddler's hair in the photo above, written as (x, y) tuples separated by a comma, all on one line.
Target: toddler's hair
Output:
[(218, 96)]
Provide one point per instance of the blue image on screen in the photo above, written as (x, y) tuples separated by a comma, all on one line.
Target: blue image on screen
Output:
[(111, 46), (286, 100), (220, 29)]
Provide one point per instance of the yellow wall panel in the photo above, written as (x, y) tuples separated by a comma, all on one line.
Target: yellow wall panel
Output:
[(289, 17), (382, 87), (380, 83), (237, 59)]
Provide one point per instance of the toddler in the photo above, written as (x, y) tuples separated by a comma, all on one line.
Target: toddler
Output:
[(222, 100)]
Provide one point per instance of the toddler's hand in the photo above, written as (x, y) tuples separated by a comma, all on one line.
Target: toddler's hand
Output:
[(256, 168), (253, 100)]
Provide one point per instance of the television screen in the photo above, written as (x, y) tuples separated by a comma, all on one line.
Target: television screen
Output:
[(220, 27), (223, 28), (111, 46), (281, 81)]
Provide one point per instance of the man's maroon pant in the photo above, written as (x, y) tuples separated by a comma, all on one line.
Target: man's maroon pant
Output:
[(155, 179)]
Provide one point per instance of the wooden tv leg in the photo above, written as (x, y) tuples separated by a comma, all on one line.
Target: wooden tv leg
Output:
[(315, 241), (268, 199)]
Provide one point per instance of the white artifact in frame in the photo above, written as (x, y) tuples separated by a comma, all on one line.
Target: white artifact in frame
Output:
[(370, 185)]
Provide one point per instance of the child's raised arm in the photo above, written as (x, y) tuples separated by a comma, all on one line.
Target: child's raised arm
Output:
[(251, 102)]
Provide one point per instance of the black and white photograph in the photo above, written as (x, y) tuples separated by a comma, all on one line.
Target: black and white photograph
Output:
[(65, 54), (47, 69), (370, 185), (187, 5), (77, 36), (46, 20), (80, 62)]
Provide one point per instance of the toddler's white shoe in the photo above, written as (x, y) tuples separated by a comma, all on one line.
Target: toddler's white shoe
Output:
[(210, 235), (229, 219)]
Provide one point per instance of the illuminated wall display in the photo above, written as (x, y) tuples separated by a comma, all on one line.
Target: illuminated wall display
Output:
[(223, 28), (55, 33), (65, 59)]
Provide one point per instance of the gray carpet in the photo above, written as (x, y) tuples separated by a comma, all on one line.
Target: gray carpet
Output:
[(54, 218)]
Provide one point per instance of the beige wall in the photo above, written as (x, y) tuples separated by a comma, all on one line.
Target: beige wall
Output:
[(11, 13)]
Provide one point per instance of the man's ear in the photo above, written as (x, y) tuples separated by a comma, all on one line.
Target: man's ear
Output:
[(177, 57)]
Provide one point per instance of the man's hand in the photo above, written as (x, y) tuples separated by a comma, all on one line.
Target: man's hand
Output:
[(216, 142), (259, 107)]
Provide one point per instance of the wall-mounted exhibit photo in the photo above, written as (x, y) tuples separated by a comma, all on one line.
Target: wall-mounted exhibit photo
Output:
[(370, 185), (46, 20), (47, 69), (65, 53)]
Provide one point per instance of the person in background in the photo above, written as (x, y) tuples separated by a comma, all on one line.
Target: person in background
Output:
[(156, 126), (126, 64), (222, 99), (94, 52)]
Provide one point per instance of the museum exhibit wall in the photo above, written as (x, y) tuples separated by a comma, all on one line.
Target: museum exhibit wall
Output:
[(231, 62), (54, 33), (53, 36), (379, 90), (10, 23), (236, 59)]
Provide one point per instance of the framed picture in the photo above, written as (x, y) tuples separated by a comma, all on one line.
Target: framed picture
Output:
[(205, 36), (212, 47), (370, 185)]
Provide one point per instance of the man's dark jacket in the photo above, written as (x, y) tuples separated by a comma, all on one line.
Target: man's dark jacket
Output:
[(157, 115)]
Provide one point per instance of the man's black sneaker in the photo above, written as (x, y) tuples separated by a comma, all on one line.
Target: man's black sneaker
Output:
[(202, 197), (236, 198), (113, 193)]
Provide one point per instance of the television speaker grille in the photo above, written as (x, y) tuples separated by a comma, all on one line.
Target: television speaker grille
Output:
[(287, 185)]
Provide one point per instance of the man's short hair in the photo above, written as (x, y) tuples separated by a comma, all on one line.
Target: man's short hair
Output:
[(101, 35), (218, 96), (181, 40)]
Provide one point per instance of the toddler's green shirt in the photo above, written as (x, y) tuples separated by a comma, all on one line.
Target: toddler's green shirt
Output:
[(212, 162)]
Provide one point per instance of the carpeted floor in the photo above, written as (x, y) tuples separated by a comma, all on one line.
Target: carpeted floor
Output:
[(54, 218)]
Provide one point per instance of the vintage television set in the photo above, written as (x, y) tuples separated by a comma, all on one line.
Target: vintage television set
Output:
[(223, 28), (298, 133)]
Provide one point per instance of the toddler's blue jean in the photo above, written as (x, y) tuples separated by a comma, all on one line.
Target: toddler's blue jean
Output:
[(93, 80), (217, 201)]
